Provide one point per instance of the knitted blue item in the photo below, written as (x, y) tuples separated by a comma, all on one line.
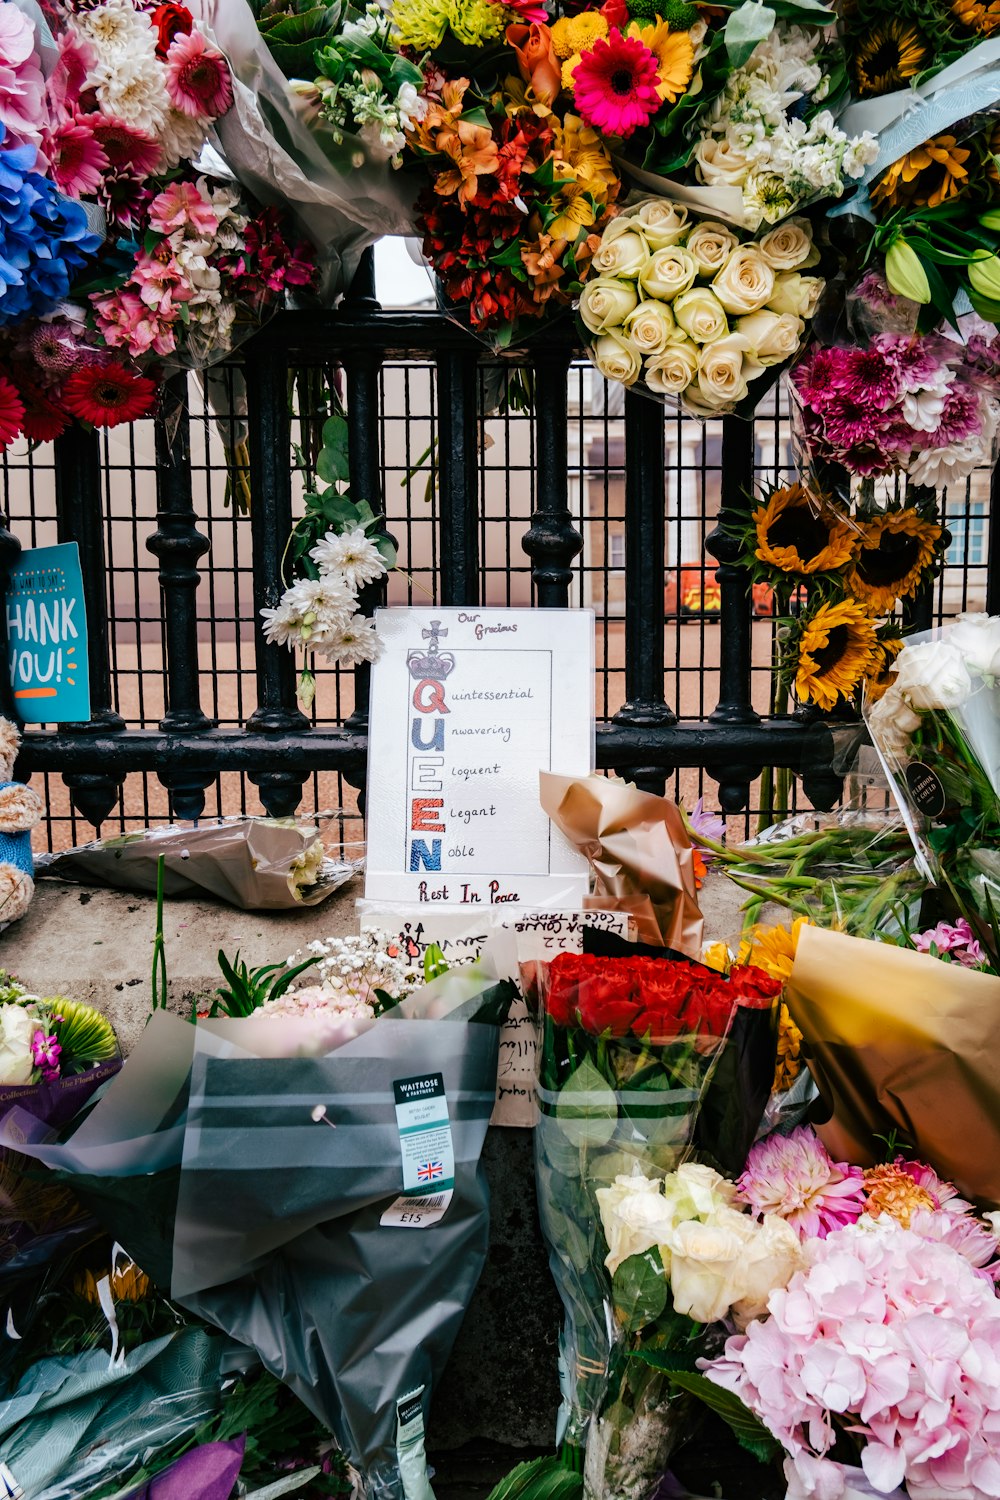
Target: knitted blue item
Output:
[(15, 848)]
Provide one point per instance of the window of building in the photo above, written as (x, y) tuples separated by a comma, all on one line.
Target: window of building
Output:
[(616, 551), (968, 535)]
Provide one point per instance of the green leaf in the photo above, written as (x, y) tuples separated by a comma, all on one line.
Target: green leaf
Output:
[(748, 1430), (435, 963), (674, 1361), (752, 23), (587, 1110), (639, 1290), (541, 1479)]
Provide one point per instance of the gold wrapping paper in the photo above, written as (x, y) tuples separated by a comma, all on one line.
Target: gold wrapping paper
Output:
[(899, 1040), (639, 851)]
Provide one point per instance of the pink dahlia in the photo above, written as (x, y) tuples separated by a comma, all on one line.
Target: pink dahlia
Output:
[(198, 80), (795, 1177), (76, 157), (615, 85)]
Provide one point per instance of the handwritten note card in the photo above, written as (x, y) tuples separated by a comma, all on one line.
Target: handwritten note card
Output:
[(467, 706)]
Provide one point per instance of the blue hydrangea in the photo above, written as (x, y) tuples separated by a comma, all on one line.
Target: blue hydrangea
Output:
[(44, 238)]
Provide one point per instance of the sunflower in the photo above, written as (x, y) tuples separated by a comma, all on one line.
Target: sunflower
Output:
[(772, 948), (895, 552), (977, 16), (127, 1284), (673, 52), (788, 1062), (887, 647), (933, 174), (888, 55), (792, 537), (835, 647)]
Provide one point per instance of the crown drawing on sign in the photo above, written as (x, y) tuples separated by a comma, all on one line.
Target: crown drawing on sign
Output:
[(432, 662)]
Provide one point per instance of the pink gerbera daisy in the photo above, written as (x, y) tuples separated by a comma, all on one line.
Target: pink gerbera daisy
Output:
[(128, 151), (11, 412), (76, 157), (198, 80), (795, 1177), (615, 85)]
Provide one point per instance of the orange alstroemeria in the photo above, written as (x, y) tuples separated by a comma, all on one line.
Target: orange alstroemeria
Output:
[(474, 152), (536, 58)]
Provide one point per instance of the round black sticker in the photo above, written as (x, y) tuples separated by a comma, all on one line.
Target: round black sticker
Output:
[(925, 789)]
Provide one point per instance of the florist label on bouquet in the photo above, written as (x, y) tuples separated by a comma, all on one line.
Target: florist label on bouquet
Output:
[(427, 1150), (467, 706), (47, 636)]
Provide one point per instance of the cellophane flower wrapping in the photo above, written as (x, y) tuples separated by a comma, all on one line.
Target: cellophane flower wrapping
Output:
[(343, 194), (937, 731), (627, 1050), (286, 1158), (694, 313)]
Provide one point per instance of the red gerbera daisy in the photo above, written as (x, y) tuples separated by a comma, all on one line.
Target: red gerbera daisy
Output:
[(109, 394), (615, 85), (129, 151), (11, 412)]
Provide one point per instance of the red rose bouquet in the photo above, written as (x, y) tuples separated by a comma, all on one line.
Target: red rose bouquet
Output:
[(628, 1049)]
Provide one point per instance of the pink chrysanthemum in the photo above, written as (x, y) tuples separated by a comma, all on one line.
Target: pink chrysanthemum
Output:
[(197, 77), (795, 1177), (961, 416), (820, 374), (615, 85), (848, 421), (871, 379), (76, 157), (915, 359)]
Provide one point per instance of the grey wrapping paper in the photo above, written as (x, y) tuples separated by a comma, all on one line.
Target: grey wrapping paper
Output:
[(278, 1240)]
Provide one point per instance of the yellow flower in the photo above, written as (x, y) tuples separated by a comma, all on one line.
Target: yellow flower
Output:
[(835, 649), (128, 1284), (788, 1064), (792, 536), (421, 24), (579, 154), (569, 67), (894, 554), (578, 214), (925, 178), (772, 948), (578, 33), (984, 18), (887, 56), (716, 956), (879, 679), (674, 53)]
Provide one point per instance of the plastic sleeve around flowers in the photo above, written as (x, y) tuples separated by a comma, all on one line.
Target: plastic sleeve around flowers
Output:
[(343, 196), (905, 119)]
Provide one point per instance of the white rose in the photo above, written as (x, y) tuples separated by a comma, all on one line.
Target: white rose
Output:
[(745, 282), (892, 722), (17, 1027), (711, 245), (616, 359), (606, 302), (706, 1190), (796, 294), (932, 674), (721, 163), (977, 636), (789, 246), (770, 1260), (724, 370), (773, 336), (662, 222), (672, 372), (701, 315), (650, 326), (668, 273), (623, 253), (705, 1266), (634, 1217)]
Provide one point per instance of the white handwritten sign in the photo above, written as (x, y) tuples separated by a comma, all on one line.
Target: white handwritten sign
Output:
[(467, 706)]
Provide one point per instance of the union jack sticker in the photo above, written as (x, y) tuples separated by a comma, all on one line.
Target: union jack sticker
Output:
[(427, 1171)]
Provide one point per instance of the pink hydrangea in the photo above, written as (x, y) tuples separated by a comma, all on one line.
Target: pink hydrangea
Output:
[(22, 86), (795, 1177), (889, 1336)]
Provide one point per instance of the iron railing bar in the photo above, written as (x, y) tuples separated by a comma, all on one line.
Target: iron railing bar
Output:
[(458, 475)]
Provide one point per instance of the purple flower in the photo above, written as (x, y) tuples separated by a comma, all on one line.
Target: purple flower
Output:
[(849, 422), (45, 1053), (710, 824), (871, 379), (954, 944)]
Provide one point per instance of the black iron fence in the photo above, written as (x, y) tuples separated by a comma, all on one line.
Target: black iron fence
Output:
[(568, 501)]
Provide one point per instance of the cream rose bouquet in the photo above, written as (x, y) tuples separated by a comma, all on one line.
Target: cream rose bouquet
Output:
[(686, 309)]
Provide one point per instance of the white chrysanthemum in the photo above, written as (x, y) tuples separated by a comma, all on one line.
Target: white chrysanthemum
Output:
[(114, 29), (354, 643), (131, 88), (353, 554), (311, 613), (181, 138), (938, 467)]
